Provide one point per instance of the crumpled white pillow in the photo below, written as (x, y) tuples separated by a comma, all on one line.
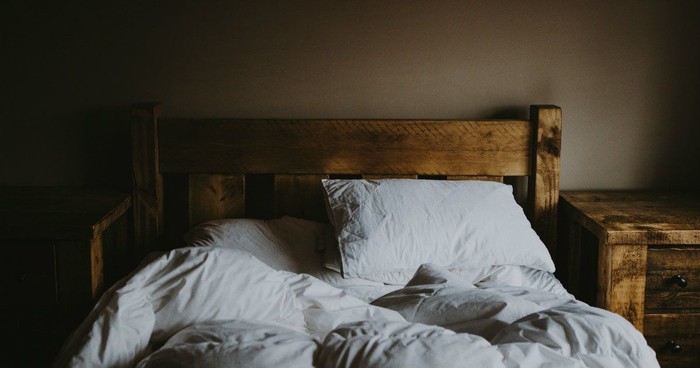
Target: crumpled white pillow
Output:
[(286, 243), (390, 227)]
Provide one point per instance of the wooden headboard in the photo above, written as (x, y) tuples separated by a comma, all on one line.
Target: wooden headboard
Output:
[(187, 171)]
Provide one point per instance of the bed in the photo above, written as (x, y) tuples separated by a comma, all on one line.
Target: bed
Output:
[(347, 243)]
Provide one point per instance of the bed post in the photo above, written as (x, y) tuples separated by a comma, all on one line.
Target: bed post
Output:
[(147, 180), (543, 185)]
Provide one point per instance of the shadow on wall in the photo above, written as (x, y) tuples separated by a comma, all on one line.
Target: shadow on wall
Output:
[(509, 112), (677, 128), (107, 148)]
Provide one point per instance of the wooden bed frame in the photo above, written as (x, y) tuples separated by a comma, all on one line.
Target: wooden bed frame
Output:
[(187, 171)]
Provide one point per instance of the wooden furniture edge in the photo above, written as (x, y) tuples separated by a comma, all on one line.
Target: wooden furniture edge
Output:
[(148, 203), (664, 237), (544, 187), (576, 215), (111, 216)]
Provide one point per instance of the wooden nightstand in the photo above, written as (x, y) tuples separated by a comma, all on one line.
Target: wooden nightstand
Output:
[(60, 248), (638, 254)]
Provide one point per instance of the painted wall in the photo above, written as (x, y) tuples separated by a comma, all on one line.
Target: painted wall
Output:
[(624, 72)]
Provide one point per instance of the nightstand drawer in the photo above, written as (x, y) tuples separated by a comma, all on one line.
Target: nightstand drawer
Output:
[(673, 278), (29, 277), (664, 331), (678, 258)]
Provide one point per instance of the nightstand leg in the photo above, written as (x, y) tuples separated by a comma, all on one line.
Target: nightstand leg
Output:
[(570, 256), (622, 280)]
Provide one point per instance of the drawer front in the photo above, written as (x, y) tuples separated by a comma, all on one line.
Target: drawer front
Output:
[(28, 276), (663, 331), (673, 278)]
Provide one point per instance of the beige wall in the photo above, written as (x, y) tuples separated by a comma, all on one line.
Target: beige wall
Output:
[(624, 72)]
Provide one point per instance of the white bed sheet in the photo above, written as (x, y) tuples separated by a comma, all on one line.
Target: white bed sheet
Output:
[(413, 324)]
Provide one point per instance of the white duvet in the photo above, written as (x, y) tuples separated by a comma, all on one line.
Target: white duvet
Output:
[(219, 307)]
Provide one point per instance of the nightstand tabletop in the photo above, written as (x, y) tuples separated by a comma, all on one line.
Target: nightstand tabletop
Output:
[(34, 213), (637, 217)]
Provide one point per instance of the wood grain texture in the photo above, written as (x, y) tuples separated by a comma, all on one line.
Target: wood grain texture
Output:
[(544, 186), (393, 176), (679, 257), (300, 196), (498, 179), (661, 280), (673, 300), (688, 357), (384, 147), (281, 159), (148, 181), (214, 197), (672, 324), (662, 291), (635, 217), (622, 281), (683, 329), (96, 267), (663, 229), (663, 264)]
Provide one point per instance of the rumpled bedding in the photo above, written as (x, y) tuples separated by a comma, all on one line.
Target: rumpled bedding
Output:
[(220, 307)]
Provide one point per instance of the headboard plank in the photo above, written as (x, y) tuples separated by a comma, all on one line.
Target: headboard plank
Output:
[(260, 196), (543, 191), (300, 196), (214, 197), (427, 147), (498, 179), (147, 179), (376, 177)]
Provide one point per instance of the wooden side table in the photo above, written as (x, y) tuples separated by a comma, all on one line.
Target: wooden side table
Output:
[(638, 254), (61, 247)]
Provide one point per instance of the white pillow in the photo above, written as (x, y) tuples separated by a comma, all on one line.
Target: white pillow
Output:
[(286, 243), (388, 228)]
